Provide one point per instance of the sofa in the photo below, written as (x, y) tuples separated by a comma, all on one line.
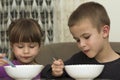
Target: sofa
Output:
[(62, 50)]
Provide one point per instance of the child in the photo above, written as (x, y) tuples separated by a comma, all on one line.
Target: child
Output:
[(89, 25), (25, 40)]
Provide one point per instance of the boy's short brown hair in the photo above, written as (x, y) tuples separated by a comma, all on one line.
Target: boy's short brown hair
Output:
[(93, 11)]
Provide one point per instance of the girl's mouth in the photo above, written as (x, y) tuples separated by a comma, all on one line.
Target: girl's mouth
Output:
[(26, 57)]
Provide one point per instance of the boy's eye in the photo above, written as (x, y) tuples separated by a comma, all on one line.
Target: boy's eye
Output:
[(86, 37), (77, 40)]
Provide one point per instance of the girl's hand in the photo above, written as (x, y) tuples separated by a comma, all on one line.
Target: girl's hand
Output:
[(57, 67), (2, 61)]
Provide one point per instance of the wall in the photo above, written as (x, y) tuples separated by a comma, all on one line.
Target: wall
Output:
[(63, 8), (112, 7)]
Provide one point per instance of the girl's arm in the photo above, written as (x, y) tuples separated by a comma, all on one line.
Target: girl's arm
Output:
[(2, 61)]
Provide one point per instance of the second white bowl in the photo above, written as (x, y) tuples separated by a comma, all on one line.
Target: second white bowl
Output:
[(84, 71)]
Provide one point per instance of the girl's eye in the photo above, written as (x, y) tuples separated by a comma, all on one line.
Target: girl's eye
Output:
[(20, 46), (32, 46)]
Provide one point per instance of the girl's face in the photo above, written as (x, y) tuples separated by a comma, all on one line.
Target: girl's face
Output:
[(25, 52), (89, 40)]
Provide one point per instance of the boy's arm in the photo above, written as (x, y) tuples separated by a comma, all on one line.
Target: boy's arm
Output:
[(47, 73)]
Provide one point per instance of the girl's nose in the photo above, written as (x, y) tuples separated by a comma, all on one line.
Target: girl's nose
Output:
[(26, 50)]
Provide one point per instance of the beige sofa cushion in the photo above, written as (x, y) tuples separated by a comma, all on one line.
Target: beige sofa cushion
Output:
[(63, 51)]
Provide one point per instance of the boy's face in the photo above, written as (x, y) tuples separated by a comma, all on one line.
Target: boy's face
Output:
[(25, 52), (89, 40)]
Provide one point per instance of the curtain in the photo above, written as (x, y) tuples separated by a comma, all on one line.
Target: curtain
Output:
[(40, 10)]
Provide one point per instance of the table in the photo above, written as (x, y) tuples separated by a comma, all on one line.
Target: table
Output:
[(58, 79), (41, 79)]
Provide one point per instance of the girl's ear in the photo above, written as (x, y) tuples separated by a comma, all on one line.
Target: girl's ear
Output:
[(106, 30), (11, 46)]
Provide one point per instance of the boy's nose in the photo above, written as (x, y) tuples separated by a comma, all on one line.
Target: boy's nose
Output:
[(81, 44)]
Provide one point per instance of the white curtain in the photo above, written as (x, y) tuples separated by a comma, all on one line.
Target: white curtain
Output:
[(40, 10)]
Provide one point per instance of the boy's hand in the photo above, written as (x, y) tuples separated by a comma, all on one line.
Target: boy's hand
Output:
[(57, 67), (2, 61)]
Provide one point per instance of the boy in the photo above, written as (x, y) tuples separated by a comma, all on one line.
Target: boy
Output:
[(89, 25)]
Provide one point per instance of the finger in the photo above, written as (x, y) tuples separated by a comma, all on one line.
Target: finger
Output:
[(2, 55), (3, 62), (58, 62), (58, 66), (61, 61), (57, 72), (57, 69)]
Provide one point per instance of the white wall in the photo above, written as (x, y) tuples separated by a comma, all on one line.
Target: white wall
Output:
[(64, 8), (112, 7)]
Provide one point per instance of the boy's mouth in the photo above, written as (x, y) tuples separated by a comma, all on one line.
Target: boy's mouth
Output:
[(85, 51)]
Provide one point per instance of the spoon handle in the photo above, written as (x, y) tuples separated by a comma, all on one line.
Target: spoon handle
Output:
[(9, 62)]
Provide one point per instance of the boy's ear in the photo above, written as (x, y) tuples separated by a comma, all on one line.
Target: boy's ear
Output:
[(106, 30)]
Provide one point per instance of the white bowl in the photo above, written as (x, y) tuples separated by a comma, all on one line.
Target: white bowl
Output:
[(84, 71), (23, 72)]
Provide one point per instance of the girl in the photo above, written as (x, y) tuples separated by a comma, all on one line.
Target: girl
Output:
[(25, 40)]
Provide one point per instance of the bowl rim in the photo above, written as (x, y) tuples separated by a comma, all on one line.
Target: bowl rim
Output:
[(84, 65), (25, 65)]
